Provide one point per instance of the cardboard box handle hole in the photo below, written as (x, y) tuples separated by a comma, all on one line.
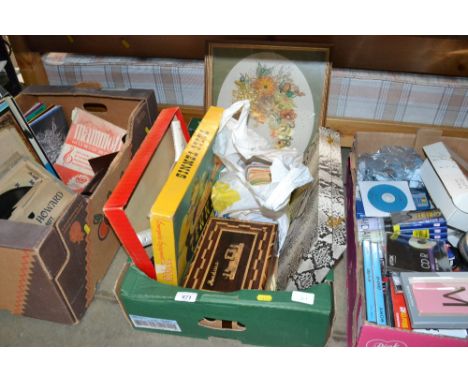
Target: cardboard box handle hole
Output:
[(212, 323), (94, 107)]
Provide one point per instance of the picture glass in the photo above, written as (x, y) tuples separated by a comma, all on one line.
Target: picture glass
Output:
[(286, 87)]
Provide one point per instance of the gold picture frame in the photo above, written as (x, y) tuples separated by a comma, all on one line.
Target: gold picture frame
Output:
[(287, 86)]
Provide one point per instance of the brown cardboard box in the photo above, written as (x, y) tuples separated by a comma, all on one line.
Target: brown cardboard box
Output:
[(47, 197), (51, 272), (360, 331)]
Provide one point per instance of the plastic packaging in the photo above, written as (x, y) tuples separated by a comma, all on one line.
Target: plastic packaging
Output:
[(243, 194), (391, 163)]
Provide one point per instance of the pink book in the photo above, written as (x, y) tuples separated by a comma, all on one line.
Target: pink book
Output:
[(89, 137)]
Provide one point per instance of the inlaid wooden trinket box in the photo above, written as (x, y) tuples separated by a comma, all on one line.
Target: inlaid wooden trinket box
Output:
[(232, 255)]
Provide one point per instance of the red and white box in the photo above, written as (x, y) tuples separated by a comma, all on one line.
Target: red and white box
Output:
[(89, 137), (129, 205)]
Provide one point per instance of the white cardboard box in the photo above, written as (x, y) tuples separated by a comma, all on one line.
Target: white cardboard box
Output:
[(450, 174), (455, 217)]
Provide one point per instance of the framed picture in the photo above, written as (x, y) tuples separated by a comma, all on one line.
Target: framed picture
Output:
[(287, 86), (436, 299)]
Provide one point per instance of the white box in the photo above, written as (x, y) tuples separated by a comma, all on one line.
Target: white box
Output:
[(449, 173), (455, 217)]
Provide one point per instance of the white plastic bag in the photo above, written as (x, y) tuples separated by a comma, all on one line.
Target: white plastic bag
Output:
[(233, 195)]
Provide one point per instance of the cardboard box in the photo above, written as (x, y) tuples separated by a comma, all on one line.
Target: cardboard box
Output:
[(447, 185), (281, 318), (51, 272), (129, 204), (47, 197), (272, 318), (361, 332)]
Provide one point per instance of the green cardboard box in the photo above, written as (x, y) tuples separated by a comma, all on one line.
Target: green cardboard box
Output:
[(288, 317), (251, 316)]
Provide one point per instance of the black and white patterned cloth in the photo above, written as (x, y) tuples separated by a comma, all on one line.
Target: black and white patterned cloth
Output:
[(317, 235)]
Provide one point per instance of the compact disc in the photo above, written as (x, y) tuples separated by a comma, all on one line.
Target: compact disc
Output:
[(9, 199), (421, 243), (387, 198), (383, 198)]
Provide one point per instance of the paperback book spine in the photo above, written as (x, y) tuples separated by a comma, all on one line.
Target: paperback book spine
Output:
[(400, 312), (368, 281), (378, 291), (388, 302)]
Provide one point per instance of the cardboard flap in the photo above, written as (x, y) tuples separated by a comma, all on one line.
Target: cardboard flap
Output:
[(425, 137), (99, 166), (370, 142)]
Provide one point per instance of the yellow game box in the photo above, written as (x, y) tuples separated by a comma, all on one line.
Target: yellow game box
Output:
[(184, 205)]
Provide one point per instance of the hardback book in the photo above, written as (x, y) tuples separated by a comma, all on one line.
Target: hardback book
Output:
[(89, 137), (437, 300), (232, 255), (406, 254), (183, 206)]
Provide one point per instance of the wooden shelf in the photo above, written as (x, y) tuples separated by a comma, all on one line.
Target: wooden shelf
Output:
[(436, 55), (439, 55)]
